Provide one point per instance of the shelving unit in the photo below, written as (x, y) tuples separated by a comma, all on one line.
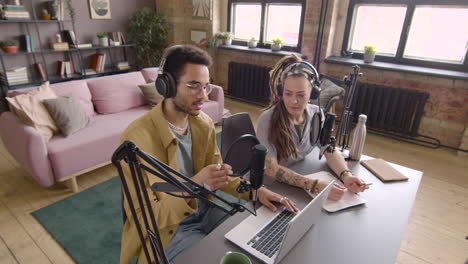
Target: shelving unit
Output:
[(74, 55)]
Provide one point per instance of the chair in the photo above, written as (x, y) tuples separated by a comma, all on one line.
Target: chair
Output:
[(238, 155), (331, 92)]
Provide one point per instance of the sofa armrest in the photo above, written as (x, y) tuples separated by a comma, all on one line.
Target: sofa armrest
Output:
[(217, 94), (27, 146)]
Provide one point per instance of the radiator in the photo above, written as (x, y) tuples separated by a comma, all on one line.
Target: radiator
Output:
[(390, 109), (248, 81)]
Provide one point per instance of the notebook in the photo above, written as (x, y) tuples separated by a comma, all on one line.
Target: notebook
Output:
[(384, 171), (348, 200), (253, 234)]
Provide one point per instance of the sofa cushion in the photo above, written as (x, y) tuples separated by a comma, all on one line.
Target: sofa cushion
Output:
[(152, 97), (150, 74), (77, 89), (116, 93), (92, 145), (32, 112), (68, 114)]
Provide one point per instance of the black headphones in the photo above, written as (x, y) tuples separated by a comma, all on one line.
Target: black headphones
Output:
[(310, 71), (165, 83)]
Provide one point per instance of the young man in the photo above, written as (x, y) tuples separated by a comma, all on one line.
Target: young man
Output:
[(179, 134)]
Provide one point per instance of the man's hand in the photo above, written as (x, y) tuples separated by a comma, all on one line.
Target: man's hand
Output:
[(353, 183), (214, 175), (266, 197)]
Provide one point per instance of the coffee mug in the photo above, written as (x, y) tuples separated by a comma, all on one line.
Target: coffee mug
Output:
[(235, 258)]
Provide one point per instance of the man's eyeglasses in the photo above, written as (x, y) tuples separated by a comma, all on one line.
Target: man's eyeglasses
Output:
[(196, 88)]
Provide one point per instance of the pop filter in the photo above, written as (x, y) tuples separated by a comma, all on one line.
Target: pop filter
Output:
[(315, 129), (239, 154)]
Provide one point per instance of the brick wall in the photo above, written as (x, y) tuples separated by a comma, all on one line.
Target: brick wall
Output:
[(446, 112)]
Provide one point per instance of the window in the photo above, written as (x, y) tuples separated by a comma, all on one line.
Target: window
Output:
[(267, 20), (428, 33)]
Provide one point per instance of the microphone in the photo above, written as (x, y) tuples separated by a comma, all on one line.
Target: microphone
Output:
[(257, 166), (327, 142)]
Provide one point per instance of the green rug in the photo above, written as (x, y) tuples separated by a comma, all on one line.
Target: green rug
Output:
[(88, 225)]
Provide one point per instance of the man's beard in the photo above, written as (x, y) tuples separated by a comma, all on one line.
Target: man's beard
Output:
[(183, 109)]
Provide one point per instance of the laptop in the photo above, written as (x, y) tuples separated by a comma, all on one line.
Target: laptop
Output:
[(269, 236)]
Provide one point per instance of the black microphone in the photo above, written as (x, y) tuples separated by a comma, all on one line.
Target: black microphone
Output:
[(257, 166), (326, 141)]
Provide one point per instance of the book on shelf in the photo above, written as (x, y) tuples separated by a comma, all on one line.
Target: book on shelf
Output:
[(97, 62), (117, 37), (15, 12), (82, 45), (26, 43), (40, 71), (59, 45), (15, 76), (65, 68), (88, 72), (70, 37), (123, 65)]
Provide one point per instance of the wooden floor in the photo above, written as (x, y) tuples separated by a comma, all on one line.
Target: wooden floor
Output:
[(435, 233)]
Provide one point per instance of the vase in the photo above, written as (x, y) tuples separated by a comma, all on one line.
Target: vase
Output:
[(275, 47), (10, 49), (228, 41), (252, 44), (104, 42), (369, 57)]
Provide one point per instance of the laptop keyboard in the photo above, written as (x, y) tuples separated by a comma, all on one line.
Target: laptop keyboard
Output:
[(268, 240)]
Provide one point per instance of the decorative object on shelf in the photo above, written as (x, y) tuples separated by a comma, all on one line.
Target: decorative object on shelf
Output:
[(100, 9), (277, 43), (103, 39), (10, 46), (58, 37), (45, 14), (202, 8), (40, 71), (252, 43), (197, 36), (148, 31), (56, 9), (369, 53)]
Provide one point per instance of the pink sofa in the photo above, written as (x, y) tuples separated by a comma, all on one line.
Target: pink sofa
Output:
[(113, 102)]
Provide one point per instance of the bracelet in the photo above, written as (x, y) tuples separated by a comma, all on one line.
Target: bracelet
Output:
[(342, 173)]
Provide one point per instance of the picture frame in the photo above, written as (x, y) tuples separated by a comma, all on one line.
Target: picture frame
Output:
[(100, 9), (198, 36), (202, 9)]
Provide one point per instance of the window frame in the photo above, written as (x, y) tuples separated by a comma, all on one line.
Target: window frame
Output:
[(261, 41), (399, 59)]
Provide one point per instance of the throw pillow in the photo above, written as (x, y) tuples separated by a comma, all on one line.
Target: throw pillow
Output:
[(152, 97), (68, 114), (31, 111)]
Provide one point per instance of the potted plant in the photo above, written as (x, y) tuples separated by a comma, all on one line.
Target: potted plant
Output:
[(148, 30), (103, 39), (252, 43), (276, 45), (228, 36), (216, 40), (10, 46), (369, 53)]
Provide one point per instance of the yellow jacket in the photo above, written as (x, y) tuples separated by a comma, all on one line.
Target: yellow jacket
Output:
[(152, 134)]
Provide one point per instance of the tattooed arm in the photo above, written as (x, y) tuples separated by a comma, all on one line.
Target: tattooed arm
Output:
[(285, 175)]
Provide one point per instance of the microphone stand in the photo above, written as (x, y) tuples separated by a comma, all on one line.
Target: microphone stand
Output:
[(344, 129), (130, 153)]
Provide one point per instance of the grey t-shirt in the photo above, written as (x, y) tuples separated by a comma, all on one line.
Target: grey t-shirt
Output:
[(303, 146), (184, 153)]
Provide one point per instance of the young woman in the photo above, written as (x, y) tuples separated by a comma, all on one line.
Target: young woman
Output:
[(284, 128)]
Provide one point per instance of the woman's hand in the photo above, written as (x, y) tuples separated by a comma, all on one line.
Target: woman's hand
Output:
[(353, 183), (266, 197), (336, 193)]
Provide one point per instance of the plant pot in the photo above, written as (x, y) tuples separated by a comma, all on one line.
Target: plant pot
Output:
[(275, 47), (228, 42), (10, 49), (369, 57), (104, 42), (252, 44)]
